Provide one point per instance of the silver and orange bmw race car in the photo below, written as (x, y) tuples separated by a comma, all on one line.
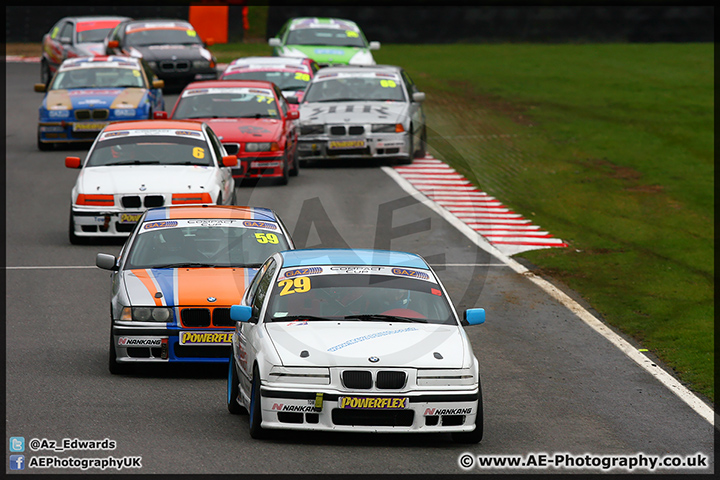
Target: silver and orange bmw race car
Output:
[(176, 277)]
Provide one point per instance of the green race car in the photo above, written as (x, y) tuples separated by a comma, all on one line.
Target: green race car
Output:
[(328, 41)]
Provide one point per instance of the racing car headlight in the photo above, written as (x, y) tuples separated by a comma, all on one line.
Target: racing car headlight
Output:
[(312, 129), (309, 375), (262, 147), (388, 128), (146, 314), (201, 63), (441, 378)]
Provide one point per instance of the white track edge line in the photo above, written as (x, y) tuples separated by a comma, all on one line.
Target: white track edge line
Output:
[(672, 384)]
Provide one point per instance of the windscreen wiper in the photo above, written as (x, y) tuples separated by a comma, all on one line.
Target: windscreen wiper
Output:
[(385, 318)]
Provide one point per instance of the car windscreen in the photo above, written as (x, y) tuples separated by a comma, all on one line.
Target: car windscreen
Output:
[(346, 296), (226, 103), (145, 36), (285, 80), (346, 88), (189, 243), (150, 150), (98, 77), (96, 35), (335, 37)]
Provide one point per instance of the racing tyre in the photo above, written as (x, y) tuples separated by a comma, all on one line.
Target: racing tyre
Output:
[(74, 239), (256, 430), (476, 435), (285, 172), (45, 73), (295, 167), (43, 146), (232, 390), (114, 366), (422, 148)]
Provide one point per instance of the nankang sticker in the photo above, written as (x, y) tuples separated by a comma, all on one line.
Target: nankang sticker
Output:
[(165, 224), (221, 90), (447, 411), (152, 132), (256, 224), (410, 273), (281, 407), (139, 342), (187, 132)]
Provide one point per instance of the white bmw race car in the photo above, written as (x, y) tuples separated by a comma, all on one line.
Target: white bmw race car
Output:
[(133, 166), (353, 341)]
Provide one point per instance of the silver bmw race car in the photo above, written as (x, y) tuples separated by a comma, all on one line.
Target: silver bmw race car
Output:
[(362, 112)]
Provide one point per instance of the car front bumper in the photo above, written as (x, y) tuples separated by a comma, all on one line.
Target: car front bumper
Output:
[(164, 344), (373, 145), (420, 411)]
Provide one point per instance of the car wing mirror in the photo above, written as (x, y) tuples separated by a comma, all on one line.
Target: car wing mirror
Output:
[(158, 83), (274, 42), (419, 97), (106, 261), (475, 316), (229, 160), (113, 44), (39, 87), (292, 99), (374, 45), (240, 313), (160, 115), (293, 115), (72, 162)]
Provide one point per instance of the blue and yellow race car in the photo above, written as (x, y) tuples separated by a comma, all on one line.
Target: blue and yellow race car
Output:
[(87, 93)]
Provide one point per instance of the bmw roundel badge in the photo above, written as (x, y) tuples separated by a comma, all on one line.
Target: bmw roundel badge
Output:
[(211, 299), (374, 359)]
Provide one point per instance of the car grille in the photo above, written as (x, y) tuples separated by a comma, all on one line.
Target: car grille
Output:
[(174, 66), (343, 130), (135, 201), (98, 114), (190, 351), (204, 317), (363, 379)]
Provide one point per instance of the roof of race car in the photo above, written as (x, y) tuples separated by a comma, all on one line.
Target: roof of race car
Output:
[(158, 23), (154, 124), (95, 18), (349, 256), (322, 22), (100, 61), (358, 69), (211, 211), (229, 84), (295, 61)]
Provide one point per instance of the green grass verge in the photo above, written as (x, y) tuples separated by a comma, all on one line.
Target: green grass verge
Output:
[(607, 146)]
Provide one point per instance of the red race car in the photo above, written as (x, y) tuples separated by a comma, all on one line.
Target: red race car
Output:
[(74, 37), (252, 119), (292, 75)]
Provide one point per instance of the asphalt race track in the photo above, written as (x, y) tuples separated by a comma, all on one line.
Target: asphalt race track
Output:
[(551, 384)]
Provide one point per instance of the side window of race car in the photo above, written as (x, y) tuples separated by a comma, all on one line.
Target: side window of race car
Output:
[(281, 100), (216, 145), (262, 288), (409, 84), (67, 31)]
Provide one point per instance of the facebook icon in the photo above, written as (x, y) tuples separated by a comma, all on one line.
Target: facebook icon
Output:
[(17, 462)]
